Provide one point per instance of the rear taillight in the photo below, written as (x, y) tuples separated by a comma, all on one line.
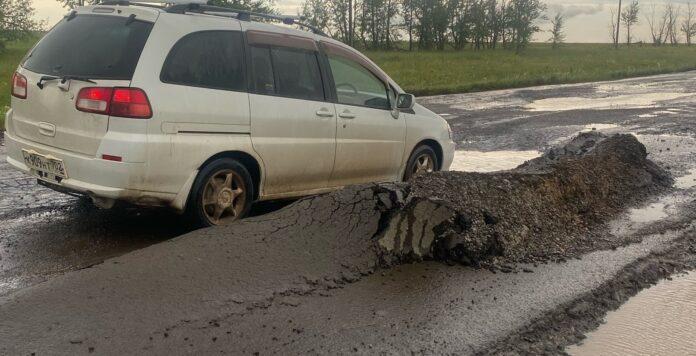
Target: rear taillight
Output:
[(19, 86), (94, 99), (130, 102), (121, 102)]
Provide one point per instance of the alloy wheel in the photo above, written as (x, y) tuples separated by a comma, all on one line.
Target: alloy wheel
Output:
[(224, 197)]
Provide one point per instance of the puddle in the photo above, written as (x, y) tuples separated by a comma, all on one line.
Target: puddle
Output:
[(686, 181), (666, 112), (650, 213), (477, 161), (593, 127), (657, 321), (642, 100)]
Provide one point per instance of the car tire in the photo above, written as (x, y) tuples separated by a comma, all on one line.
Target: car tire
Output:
[(222, 193), (422, 160)]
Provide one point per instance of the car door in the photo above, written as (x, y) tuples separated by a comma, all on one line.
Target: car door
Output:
[(293, 126), (369, 139)]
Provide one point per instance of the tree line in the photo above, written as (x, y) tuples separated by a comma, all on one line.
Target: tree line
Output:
[(673, 24), (427, 24), (423, 24)]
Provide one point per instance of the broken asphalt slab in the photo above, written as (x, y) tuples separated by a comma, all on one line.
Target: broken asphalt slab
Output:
[(318, 245)]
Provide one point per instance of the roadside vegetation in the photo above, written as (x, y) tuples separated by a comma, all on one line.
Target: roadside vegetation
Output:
[(18, 30), (441, 72), (9, 58)]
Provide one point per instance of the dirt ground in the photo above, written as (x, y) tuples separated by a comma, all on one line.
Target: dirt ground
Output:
[(571, 231)]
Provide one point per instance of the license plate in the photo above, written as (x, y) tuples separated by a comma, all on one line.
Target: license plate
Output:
[(44, 166)]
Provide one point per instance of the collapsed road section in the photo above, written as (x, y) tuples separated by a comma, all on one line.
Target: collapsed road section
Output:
[(544, 209)]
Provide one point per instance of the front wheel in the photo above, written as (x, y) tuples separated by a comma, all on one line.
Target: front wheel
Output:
[(223, 193), (422, 160)]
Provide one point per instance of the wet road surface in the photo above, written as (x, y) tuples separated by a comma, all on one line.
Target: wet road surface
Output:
[(657, 321), (44, 234)]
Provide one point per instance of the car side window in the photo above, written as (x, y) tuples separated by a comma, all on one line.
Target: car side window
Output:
[(263, 82), (355, 85), (208, 59), (287, 72)]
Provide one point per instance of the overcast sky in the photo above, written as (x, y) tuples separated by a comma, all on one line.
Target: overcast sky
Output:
[(588, 20)]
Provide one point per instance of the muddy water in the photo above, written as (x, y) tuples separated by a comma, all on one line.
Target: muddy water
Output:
[(637, 100), (650, 213), (477, 161), (686, 181), (658, 321)]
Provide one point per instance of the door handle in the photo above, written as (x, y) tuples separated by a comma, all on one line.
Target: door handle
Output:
[(324, 113), (347, 115)]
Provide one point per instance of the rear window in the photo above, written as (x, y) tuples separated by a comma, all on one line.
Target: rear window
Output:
[(92, 46)]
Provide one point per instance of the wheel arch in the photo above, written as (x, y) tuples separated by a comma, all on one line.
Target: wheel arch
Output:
[(248, 161), (432, 144)]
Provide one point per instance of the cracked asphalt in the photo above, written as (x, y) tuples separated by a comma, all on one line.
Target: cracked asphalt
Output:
[(423, 308)]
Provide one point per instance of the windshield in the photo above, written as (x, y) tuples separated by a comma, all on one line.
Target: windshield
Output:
[(91, 46)]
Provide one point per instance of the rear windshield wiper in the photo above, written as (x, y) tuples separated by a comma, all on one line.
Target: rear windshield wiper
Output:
[(48, 78)]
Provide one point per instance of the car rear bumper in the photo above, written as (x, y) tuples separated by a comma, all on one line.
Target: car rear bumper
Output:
[(91, 176)]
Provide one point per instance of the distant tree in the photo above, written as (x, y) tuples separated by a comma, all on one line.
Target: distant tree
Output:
[(613, 28), (557, 34), (408, 8), (688, 27), (342, 19), (16, 21), (432, 23), (495, 15), (375, 21), (629, 17), (672, 17), (315, 13), (522, 16), (658, 26), (460, 22)]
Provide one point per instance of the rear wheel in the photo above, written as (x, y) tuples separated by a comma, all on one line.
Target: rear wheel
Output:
[(422, 160), (223, 193)]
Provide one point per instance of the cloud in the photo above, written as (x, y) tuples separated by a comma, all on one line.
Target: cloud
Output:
[(571, 11)]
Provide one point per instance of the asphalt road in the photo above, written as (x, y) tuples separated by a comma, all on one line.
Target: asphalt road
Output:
[(44, 235)]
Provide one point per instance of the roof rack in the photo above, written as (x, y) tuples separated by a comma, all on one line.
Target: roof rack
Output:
[(134, 3), (196, 7)]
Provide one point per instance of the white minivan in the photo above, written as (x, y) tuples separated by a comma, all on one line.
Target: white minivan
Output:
[(206, 110)]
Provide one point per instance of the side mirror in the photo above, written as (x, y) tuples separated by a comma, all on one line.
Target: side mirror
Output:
[(405, 101)]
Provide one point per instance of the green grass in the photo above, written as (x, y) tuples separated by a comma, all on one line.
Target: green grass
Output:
[(9, 59), (432, 72)]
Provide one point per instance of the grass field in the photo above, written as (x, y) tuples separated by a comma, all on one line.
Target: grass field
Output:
[(429, 73)]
